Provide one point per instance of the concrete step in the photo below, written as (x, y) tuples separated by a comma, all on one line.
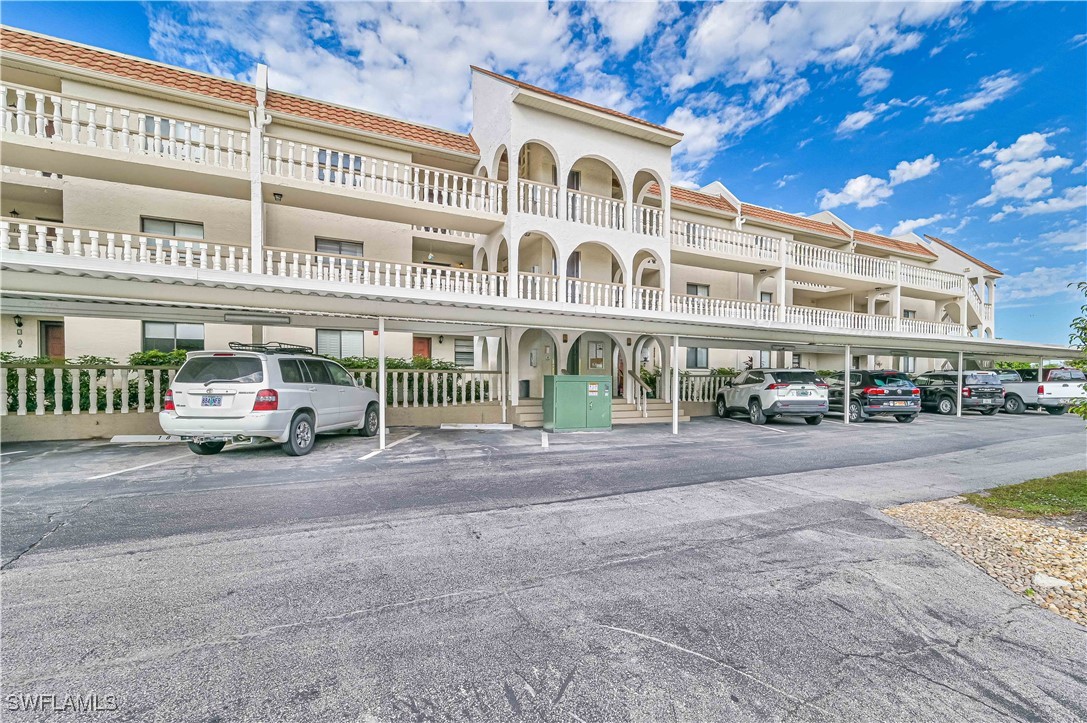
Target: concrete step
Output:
[(632, 413), (647, 420)]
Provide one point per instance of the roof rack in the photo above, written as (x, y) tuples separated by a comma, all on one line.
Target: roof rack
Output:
[(272, 347)]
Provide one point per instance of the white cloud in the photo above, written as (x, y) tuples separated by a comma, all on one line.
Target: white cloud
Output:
[(1073, 198), (1078, 40), (861, 118), (867, 190), (786, 179), (1022, 172), (874, 79), (1072, 239), (990, 90), (876, 229), (626, 24), (952, 230), (912, 170), (1042, 282), (915, 223)]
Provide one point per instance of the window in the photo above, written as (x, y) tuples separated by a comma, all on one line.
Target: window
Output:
[(764, 359), (791, 377), (573, 181), (166, 227), (204, 369), (339, 342), (334, 246), (167, 336), (698, 289), (891, 379), (1065, 375), (339, 375), (909, 313), (698, 357), (755, 378), (767, 297), (907, 364), (317, 371), (290, 371), (464, 352)]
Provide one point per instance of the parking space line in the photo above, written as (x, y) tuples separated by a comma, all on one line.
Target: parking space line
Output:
[(371, 454), (387, 446), (762, 427), (20, 451), (139, 466)]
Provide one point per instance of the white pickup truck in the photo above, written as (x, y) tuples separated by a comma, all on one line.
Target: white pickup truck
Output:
[(1059, 388)]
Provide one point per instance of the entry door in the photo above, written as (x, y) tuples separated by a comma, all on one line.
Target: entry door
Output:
[(420, 346), (52, 339)]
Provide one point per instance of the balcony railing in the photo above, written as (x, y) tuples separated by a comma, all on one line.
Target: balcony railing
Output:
[(406, 181), (537, 287), (595, 293), (89, 124), (538, 199), (647, 298), (723, 308), (934, 279), (726, 242), (819, 258), (137, 253), (593, 210), (648, 220)]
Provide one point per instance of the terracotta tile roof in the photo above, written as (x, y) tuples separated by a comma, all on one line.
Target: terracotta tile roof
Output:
[(695, 198), (13, 40), (277, 102), (893, 244), (788, 219), (575, 101), (965, 255)]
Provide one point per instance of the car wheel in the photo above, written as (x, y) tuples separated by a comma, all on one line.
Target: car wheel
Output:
[(990, 412), (1056, 411), (814, 420), (1013, 405), (905, 418), (755, 413), (946, 405), (370, 422), (301, 435), (203, 448), (722, 408), (855, 412)]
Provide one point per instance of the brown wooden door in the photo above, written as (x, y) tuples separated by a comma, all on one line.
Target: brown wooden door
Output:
[(53, 339), (420, 346)]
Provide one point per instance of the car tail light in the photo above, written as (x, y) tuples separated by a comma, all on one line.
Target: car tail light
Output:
[(822, 385), (267, 401), (1041, 389), (874, 390), (966, 391), (778, 385), (915, 391), (168, 401)]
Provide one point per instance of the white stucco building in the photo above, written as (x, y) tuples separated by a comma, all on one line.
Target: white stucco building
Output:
[(147, 206)]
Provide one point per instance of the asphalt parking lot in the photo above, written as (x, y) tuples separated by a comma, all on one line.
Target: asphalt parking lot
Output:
[(730, 573)]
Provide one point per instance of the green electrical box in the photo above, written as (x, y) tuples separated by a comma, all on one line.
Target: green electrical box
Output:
[(576, 402)]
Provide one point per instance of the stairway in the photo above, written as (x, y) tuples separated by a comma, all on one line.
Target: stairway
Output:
[(529, 413)]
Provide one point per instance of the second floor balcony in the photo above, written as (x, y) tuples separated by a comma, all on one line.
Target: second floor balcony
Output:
[(60, 248)]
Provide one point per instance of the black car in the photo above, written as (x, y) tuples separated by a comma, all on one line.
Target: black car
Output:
[(873, 392), (981, 391)]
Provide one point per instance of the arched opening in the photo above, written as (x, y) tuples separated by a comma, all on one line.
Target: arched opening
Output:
[(537, 354), (595, 275), (648, 209), (537, 180), (647, 281), (481, 259), (648, 362), (501, 165), (594, 194), (595, 352), (538, 267), (647, 188), (500, 262)]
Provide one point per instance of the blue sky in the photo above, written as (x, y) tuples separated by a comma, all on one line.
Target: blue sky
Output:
[(966, 121)]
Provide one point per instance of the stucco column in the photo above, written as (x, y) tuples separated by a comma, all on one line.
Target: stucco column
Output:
[(782, 256), (258, 119), (896, 306), (513, 366)]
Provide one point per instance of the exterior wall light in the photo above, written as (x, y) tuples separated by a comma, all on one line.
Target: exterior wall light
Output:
[(441, 339), (277, 197), (18, 321)]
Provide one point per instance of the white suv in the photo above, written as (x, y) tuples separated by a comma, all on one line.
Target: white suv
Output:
[(767, 393), (273, 391)]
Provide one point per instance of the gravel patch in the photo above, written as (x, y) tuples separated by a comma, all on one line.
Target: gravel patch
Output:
[(1045, 563)]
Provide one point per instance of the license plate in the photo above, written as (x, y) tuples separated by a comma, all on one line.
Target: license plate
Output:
[(898, 404), (803, 393), (216, 401)]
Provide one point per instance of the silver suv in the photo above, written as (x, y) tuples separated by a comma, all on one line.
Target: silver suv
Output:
[(763, 394), (273, 391)]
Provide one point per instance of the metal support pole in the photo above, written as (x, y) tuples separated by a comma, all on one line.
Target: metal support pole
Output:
[(503, 366), (382, 382), (845, 380), (958, 403), (675, 384)]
